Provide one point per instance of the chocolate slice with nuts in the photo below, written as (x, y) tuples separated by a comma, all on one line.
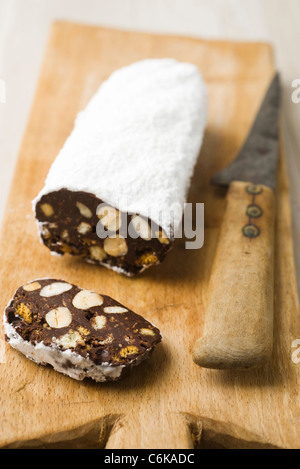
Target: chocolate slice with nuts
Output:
[(79, 332)]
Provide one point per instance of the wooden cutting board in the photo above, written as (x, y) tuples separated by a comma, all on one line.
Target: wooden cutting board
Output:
[(168, 402)]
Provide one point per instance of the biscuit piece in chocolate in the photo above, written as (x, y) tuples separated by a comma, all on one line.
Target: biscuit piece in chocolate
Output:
[(79, 332)]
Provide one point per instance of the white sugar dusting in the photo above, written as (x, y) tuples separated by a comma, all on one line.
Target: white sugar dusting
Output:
[(136, 143)]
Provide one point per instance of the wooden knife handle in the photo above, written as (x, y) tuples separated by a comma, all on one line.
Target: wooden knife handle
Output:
[(238, 324)]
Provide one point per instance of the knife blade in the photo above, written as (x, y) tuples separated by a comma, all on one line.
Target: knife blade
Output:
[(238, 323)]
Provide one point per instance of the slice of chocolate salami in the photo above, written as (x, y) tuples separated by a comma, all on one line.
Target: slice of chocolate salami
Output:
[(115, 193), (79, 332)]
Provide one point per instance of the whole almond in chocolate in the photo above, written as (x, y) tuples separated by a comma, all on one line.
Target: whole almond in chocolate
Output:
[(79, 332)]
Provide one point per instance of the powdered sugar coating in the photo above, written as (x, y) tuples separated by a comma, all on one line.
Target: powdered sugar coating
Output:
[(78, 368), (136, 143)]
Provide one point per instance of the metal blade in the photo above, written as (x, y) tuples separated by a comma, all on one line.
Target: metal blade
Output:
[(258, 158)]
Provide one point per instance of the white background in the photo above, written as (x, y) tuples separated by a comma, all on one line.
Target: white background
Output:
[(25, 25)]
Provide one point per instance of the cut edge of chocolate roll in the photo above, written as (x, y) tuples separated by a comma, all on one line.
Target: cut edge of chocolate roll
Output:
[(80, 224), (78, 332)]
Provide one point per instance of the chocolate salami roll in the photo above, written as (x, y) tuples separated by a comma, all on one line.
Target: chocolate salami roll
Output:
[(115, 193), (79, 332)]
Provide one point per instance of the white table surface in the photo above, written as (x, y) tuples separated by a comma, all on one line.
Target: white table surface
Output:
[(25, 25)]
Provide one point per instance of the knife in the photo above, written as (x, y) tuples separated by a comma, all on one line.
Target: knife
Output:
[(238, 323)]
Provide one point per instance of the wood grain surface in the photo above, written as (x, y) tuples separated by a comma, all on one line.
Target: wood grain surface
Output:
[(169, 402)]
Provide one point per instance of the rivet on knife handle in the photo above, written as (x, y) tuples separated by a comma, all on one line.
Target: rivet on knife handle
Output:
[(238, 329)]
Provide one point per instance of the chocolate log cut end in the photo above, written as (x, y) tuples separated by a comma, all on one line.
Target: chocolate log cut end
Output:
[(80, 224)]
